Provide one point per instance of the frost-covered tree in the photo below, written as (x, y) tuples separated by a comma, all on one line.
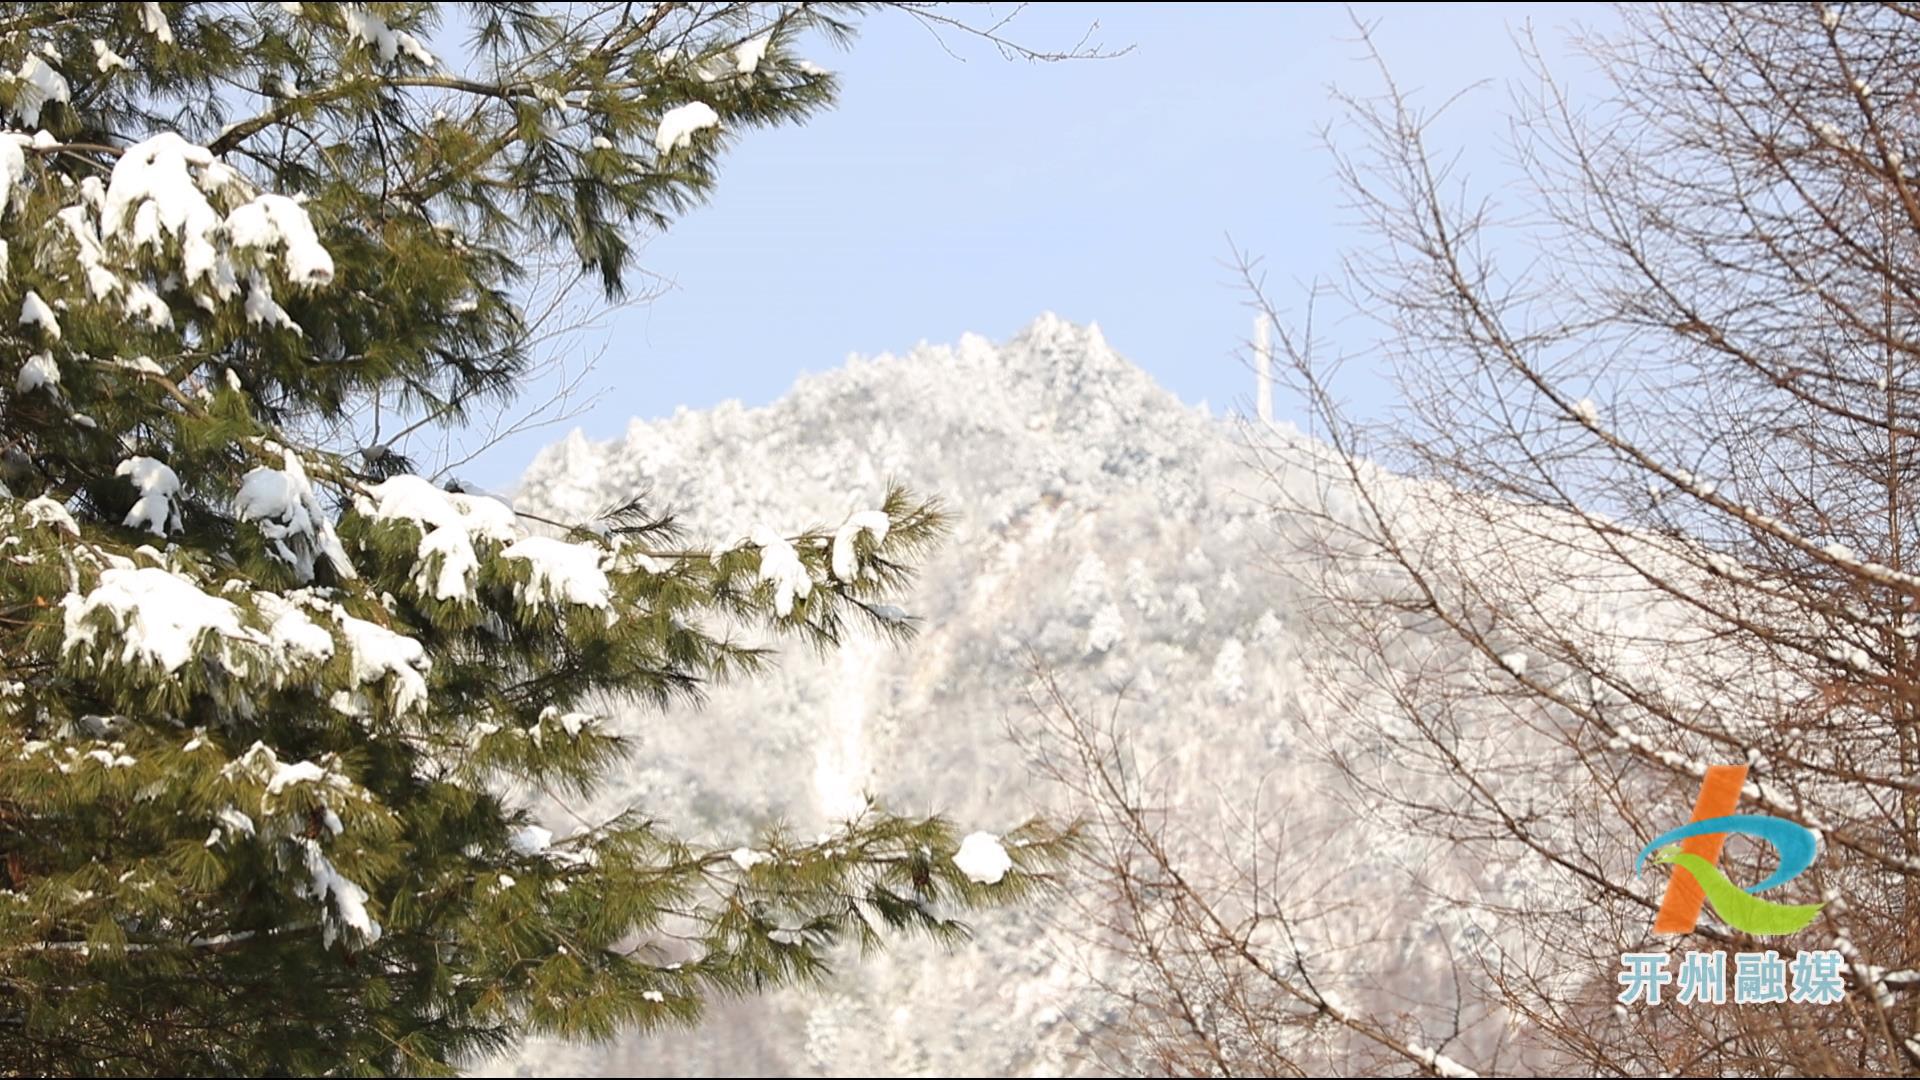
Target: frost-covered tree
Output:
[(272, 706), (1662, 396)]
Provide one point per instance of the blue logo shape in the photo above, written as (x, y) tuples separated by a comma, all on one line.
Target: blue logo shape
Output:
[(1736, 905), (1795, 844)]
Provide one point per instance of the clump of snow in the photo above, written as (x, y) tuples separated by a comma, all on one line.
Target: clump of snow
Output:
[(680, 122), (459, 563), (449, 522), (262, 309), (233, 824), (846, 563), (261, 764), (372, 31), (747, 858), (561, 571), (378, 652), (35, 312), (748, 54), (39, 84), (105, 59), (530, 840), (294, 635), (144, 304), (154, 21), (39, 372), (270, 221), (44, 511), (158, 485), (982, 858), (156, 615), (347, 901), (573, 723), (109, 758), (13, 166), (101, 282), (781, 565), (151, 192), (281, 503)]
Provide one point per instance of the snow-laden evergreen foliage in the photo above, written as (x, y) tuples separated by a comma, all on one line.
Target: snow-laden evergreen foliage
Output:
[(271, 704)]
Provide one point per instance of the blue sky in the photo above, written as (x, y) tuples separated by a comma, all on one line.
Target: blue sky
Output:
[(947, 195)]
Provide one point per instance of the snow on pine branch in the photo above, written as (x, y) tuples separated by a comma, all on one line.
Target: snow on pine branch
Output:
[(289, 795), (158, 620), (282, 505), (163, 191), (451, 524)]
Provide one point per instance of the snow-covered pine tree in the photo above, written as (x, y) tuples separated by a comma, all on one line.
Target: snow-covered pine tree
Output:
[(266, 695)]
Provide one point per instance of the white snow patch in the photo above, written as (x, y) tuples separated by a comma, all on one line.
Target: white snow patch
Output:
[(39, 85), (846, 561), (781, 565), (144, 304), (35, 312), (450, 524), (679, 124), (276, 221), (372, 31), (13, 165), (294, 635), (748, 54), (982, 858), (348, 907), (105, 59), (158, 485), (281, 503), (44, 511), (38, 372), (746, 858), (573, 723), (151, 192), (378, 652), (157, 614), (262, 308), (154, 21), (530, 840), (233, 824), (561, 571)]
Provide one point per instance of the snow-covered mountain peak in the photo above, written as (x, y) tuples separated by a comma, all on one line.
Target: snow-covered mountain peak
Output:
[(1101, 525), (1055, 406)]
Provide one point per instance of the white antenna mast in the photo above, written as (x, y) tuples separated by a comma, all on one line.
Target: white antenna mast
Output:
[(1263, 367)]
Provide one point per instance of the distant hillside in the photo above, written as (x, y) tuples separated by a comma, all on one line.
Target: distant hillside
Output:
[(1102, 524)]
